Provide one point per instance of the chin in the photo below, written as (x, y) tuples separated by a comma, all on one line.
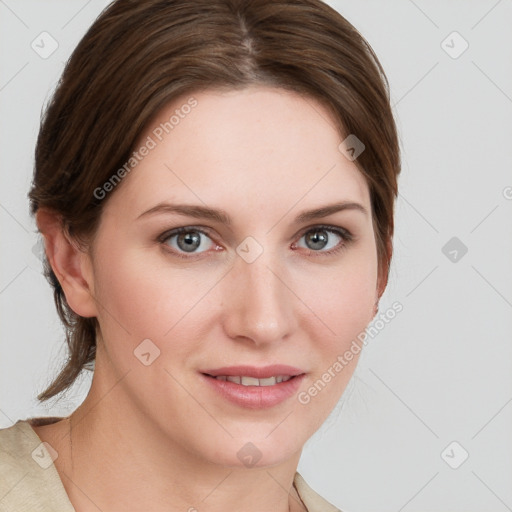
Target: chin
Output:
[(258, 451)]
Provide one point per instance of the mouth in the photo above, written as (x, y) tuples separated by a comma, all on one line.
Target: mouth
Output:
[(253, 387), (244, 380)]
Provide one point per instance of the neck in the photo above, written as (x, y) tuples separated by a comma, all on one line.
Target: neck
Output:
[(111, 457)]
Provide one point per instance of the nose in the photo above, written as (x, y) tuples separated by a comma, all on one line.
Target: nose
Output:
[(259, 305)]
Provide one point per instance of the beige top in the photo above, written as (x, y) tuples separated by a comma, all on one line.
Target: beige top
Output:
[(29, 481)]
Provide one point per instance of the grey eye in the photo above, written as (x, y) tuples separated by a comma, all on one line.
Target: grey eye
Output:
[(319, 238), (188, 240)]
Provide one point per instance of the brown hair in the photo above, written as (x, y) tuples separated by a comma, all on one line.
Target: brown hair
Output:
[(138, 56)]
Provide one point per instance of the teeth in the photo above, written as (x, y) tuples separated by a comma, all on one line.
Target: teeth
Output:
[(270, 381), (252, 381), (249, 381)]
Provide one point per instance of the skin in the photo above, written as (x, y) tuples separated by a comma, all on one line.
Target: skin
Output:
[(263, 155)]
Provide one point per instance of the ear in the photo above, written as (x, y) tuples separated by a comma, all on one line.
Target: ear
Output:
[(382, 280), (71, 266), (382, 283)]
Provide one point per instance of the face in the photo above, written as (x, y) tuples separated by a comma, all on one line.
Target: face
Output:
[(192, 302)]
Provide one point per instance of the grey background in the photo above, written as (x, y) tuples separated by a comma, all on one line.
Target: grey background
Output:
[(441, 370)]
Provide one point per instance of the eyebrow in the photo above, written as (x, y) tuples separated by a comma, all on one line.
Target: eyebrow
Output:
[(218, 215)]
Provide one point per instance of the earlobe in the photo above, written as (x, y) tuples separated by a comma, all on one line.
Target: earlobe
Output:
[(71, 266)]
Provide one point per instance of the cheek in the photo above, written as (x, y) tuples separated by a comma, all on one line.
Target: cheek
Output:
[(341, 306), (143, 297), (129, 299), (343, 297)]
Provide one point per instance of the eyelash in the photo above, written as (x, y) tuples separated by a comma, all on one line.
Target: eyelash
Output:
[(343, 233)]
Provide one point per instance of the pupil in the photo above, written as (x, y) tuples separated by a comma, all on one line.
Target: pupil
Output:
[(191, 241), (319, 241)]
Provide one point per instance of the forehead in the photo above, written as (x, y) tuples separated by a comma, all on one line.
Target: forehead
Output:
[(258, 147)]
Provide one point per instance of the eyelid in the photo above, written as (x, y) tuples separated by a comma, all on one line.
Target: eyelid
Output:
[(176, 231), (328, 227), (189, 227), (346, 235)]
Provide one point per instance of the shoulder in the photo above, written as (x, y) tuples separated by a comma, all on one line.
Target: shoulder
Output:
[(28, 477), (313, 501)]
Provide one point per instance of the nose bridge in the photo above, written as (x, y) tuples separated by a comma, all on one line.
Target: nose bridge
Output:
[(261, 305)]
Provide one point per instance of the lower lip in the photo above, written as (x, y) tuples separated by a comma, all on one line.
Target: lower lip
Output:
[(255, 397)]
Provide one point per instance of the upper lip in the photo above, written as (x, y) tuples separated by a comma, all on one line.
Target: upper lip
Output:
[(263, 372)]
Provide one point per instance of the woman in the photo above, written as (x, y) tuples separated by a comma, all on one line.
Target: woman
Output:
[(215, 182)]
